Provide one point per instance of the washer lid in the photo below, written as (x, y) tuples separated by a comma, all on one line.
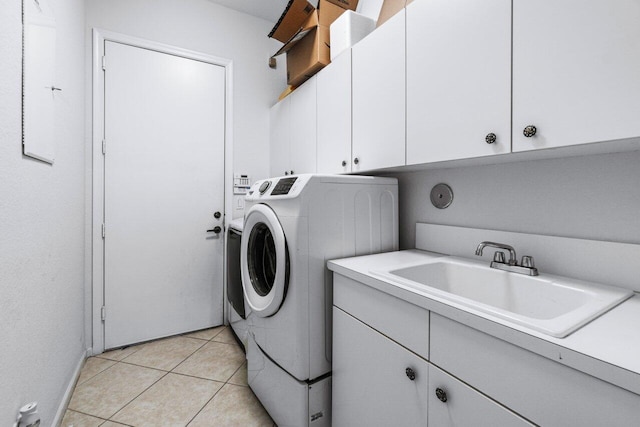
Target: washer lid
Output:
[(264, 260)]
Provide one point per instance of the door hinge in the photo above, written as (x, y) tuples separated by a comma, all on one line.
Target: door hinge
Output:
[(104, 62), (103, 313), (103, 231), (104, 146)]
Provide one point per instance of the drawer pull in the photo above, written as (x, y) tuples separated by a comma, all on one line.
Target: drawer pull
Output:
[(411, 374), (441, 395)]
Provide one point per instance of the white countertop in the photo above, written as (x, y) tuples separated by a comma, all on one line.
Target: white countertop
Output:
[(607, 348)]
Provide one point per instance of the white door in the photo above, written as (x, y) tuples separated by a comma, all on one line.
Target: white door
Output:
[(164, 180)]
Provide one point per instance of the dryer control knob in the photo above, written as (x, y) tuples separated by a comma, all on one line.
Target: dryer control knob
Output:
[(264, 187)]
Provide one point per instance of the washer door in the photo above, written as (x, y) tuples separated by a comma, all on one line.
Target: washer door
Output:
[(265, 261)]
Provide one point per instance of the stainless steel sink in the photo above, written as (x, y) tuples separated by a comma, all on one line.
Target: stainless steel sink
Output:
[(549, 304)]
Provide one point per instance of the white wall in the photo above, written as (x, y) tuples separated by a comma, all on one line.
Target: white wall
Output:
[(593, 197), (41, 227), (209, 28)]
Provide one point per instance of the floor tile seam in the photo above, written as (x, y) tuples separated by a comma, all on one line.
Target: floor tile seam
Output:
[(137, 396), (197, 377), (189, 356), (144, 366), (205, 405), (87, 414), (116, 422), (95, 375)]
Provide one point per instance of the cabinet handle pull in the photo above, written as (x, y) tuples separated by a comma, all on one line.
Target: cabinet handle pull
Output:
[(286, 173), (291, 173), (356, 160), (441, 395), (344, 163), (411, 374), (491, 138), (529, 131)]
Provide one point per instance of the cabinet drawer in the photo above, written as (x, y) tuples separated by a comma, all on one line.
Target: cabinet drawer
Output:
[(535, 387), (458, 405), (404, 322)]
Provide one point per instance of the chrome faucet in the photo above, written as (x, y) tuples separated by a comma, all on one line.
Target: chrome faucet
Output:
[(527, 266)]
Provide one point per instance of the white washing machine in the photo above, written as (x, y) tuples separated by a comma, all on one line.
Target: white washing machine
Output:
[(239, 311), (293, 226)]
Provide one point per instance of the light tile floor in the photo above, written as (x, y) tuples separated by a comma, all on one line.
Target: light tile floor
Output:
[(196, 380)]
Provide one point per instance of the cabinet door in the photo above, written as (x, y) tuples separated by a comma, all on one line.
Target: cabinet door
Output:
[(458, 79), (279, 137), (371, 385), (576, 68), (379, 97), (303, 128), (334, 115), (454, 404)]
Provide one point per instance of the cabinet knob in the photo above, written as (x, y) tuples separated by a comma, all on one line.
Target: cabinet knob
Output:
[(411, 374), (291, 173), (356, 160), (441, 395), (286, 172), (344, 163), (529, 131), (491, 138)]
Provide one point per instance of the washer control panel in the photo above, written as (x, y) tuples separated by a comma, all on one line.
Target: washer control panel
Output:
[(283, 186)]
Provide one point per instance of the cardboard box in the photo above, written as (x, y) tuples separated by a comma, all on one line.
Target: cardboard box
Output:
[(349, 29), (346, 4), (294, 16), (308, 56), (328, 12), (390, 8)]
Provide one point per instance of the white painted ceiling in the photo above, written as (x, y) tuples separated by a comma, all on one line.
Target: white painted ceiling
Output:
[(265, 9)]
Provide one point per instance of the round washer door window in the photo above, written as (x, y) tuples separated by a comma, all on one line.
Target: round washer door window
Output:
[(264, 260)]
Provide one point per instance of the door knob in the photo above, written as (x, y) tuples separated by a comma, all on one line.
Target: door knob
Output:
[(217, 229), (491, 138), (217, 215)]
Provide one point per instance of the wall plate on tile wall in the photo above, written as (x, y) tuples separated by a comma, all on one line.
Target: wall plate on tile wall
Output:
[(441, 196)]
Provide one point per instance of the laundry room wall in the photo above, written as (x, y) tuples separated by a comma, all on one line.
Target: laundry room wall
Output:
[(42, 221), (206, 27), (592, 197)]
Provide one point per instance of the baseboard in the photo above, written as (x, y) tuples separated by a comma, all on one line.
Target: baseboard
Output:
[(69, 391)]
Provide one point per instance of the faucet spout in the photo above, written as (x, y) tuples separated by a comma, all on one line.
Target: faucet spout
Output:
[(512, 252)]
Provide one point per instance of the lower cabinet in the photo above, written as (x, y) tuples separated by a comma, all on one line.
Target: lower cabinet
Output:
[(375, 381), (378, 382)]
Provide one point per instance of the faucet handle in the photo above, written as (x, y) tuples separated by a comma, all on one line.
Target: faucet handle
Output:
[(527, 261), (498, 256)]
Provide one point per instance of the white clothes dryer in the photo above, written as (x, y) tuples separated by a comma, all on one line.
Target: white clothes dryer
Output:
[(293, 226), (238, 312)]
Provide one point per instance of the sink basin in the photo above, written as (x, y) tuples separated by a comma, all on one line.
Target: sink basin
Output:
[(549, 304)]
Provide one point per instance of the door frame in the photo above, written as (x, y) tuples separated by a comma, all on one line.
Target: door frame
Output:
[(95, 298)]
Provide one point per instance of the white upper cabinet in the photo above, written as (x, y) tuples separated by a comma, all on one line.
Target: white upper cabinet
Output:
[(576, 71), (458, 79), (303, 128), (334, 116), (292, 136), (379, 97), (280, 137)]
